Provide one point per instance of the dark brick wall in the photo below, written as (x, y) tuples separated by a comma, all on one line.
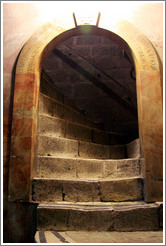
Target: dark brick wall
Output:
[(107, 63)]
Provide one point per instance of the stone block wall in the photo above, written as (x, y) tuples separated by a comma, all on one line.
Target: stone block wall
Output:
[(88, 59), (20, 21)]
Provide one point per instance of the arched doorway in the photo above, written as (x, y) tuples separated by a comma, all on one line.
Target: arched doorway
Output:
[(26, 96), (96, 74)]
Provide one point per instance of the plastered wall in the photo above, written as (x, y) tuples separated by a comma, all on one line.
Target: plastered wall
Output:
[(20, 21)]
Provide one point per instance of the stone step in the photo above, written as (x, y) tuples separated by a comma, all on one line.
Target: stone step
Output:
[(53, 107), (124, 216), (53, 167), (100, 237), (69, 148), (53, 126), (87, 190)]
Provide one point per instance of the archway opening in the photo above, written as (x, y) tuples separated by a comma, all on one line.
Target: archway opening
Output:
[(87, 124), (97, 74), (25, 108)]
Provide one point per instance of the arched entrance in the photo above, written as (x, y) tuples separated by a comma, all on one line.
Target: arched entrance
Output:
[(26, 96), (96, 74)]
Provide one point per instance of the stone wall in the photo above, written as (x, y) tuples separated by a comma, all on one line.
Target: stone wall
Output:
[(95, 73), (20, 21)]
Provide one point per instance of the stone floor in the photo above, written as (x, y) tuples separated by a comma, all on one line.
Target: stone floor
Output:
[(99, 237)]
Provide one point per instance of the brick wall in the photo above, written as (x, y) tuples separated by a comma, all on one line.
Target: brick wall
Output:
[(94, 57)]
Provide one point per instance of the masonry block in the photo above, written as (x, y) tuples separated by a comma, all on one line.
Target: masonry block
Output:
[(49, 106), (47, 190), (124, 168), (72, 190), (105, 62), (91, 220), (136, 219), (133, 149), (89, 168), (88, 40), (122, 190), (128, 168), (52, 219), (91, 150), (104, 50), (48, 88), (51, 126), (81, 191), (50, 146), (51, 167), (79, 132)]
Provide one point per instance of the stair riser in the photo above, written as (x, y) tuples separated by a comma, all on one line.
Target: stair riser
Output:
[(122, 190), (81, 168), (58, 109), (133, 149), (49, 146), (62, 128), (47, 190), (138, 219), (48, 125)]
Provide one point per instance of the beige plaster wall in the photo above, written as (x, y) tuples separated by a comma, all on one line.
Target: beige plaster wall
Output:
[(20, 21)]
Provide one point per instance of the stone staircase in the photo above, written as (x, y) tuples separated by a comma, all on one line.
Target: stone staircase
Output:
[(84, 180)]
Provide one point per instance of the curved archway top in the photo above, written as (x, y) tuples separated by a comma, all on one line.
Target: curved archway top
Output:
[(142, 49), (26, 98), (145, 57)]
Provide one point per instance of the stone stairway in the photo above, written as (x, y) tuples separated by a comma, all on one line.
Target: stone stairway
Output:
[(84, 181)]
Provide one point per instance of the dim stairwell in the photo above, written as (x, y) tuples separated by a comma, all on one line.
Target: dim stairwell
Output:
[(84, 180)]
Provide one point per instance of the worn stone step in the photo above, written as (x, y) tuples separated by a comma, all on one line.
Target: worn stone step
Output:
[(100, 237), (54, 126), (124, 216), (87, 190), (59, 147), (53, 107), (53, 167), (62, 147)]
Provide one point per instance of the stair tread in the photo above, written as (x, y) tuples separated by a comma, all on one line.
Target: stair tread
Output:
[(98, 205), (89, 159), (76, 140), (98, 216), (60, 146), (71, 107), (79, 124), (88, 179), (60, 102), (73, 122)]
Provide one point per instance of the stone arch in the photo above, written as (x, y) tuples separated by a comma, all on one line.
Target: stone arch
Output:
[(26, 96)]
